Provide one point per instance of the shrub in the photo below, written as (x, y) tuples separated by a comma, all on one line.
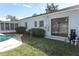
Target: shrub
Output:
[(37, 32), (27, 33), (20, 30)]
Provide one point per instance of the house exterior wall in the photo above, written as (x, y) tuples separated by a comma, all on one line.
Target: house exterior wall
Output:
[(73, 22), (30, 22), (71, 15), (7, 31)]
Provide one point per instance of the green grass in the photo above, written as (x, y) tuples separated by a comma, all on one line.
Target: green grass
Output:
[(42, 47)]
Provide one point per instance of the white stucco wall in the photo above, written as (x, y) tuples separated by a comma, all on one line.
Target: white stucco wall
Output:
[(30, 22), (72, 24)]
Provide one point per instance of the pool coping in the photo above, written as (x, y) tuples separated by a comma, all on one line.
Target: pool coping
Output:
[(11, 43)]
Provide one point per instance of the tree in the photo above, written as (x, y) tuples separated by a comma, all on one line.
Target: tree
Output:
[(34, 14), (12, 18), (51, 8), (48, 8), (54, 7)]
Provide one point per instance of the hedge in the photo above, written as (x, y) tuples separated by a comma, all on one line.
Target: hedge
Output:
[(37, 32), (20, 30)]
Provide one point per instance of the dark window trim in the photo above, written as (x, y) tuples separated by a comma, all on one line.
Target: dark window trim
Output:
[(26, 25), (35, 23), (12, 26), (42, 24), (7, 26), (63, 35), (16, 25), (56, 34), (2, 26)]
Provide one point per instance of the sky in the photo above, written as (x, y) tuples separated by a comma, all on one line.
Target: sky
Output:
[(21, 10)]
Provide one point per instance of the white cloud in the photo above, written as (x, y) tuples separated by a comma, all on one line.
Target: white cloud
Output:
[(21, 4), (25, 5), (20, 17), (4, 19)]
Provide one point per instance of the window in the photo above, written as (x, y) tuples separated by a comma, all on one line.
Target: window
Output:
[(26, 25), (6, 26), (2, 26), (59, 26), (16, 25), (41, 23), (12, 26), (35, 23)]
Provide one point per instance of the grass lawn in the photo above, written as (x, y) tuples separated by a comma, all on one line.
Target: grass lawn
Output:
[(42, 47)]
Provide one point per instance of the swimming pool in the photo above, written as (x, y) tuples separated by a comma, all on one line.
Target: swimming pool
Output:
[(5, 37)]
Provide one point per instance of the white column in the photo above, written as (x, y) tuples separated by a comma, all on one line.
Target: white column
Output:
[(4, 26), (9, 26), (0, 26), (14, 26)]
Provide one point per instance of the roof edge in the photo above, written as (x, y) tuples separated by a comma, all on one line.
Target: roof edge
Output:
[(71, 7)]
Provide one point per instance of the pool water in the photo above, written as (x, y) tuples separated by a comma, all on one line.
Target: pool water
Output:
[(5, 37)]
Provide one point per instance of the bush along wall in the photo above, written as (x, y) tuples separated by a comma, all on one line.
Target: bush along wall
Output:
[(37, 32), (20, 30)]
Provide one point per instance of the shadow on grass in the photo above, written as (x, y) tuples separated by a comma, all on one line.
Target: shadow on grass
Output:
[(51, 47)]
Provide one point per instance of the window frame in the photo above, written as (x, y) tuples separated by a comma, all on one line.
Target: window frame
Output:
[(7, 26), (57, 34), (26, 25), (41, 23), (16, 25), (12, 26), (2, 27), (35, 23)]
